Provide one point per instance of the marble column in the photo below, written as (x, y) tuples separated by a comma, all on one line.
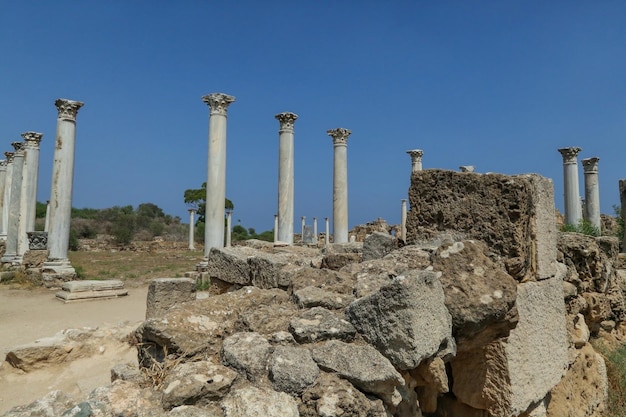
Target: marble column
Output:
[(592, 192), (46, 225), (622, 199), (285, 176), (573, 210), (416, 159), (7, 194), (192, 226), (216, 171), (327, 234), (340, 184), (62, 187), (11, 253), (303, 223), (275, 228), (3, 177), (29, 188), (229, 228), (315, 229), (403, 220)]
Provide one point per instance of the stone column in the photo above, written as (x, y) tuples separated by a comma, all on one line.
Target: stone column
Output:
[(573, 213), (285, 176), (3, 177), (340, 184), (622, 198), (29, 188), (216, 171), (327, 235), (403, 220), (7, 194), (303, 223), (229, 229), (192, 225), (592, 192), (61, 190), (416, 159), (11, 253), (315, 229), (46, 226), (275, 228)]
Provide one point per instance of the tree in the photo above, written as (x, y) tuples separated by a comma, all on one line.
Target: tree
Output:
[(196, 199)]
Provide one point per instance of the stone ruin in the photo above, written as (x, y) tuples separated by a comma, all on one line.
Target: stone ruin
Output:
[(487, 311)]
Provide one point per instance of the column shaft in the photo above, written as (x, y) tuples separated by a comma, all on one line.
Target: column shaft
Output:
[(327, 234), (3, 176), (29, 188), (403, 220), (416, 159), (286, 176), (7, 194), (592, 192), (11, 253), (573, 210), (192, 225), (46, 226), (340, 184), (229, 229), (275, 228)]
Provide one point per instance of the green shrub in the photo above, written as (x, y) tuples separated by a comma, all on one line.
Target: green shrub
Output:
[(584, 227)]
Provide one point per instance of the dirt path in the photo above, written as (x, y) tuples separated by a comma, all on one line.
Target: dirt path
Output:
[(28, 315)]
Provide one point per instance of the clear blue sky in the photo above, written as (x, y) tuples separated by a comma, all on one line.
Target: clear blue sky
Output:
[(496, 84)]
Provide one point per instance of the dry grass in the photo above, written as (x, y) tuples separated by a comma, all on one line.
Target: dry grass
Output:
[(134, 267)]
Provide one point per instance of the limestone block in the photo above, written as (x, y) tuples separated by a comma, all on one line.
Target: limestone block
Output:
[(319, 324), (373, 274), (363, 366), (414, 323), (196, 383), (336, 261), (67, 296), (300, 277), (259, 402), (210, 410), (248, 353), (309, 297), (377, 245), (128, 372), (164, 293), (43, 351), (413, 256), (268, 319), (230, 264), (92, 285), (508, 375), (292, 369), (591, 267), (125, 398), (514, 215)]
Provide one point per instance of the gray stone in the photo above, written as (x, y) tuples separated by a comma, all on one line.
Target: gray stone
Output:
[(319, 324), (52, 405), (363, 366), (125, 398), (316, 297), (230, 264), (247, 353), (300, 277), (196, 383), (164, 293), (68, 297), (212, 410), (259, 402), (377, 245), (407, 320), (371, 275), (31, 356), (127, 372), (292, 369), (92, 285)]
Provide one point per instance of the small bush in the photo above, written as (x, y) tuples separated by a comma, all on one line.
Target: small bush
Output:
[(583, 227)]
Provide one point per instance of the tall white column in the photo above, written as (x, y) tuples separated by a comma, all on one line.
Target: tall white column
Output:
[(229, 228), (416, 159), (573, 210), (302, 224), (11, 253), (275, 228), (3, 177), (315, 229), (340, 184), (192, 225), (327, 234), (46, 225), (29, 188), (285, 176), (216, 171), (7, 194), (62, 187), (592, 192), (403, 220)]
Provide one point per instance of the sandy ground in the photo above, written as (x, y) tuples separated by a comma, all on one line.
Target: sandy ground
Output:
[(27, 315)]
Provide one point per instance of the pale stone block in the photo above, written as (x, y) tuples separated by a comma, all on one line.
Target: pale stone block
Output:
[(164, 293)]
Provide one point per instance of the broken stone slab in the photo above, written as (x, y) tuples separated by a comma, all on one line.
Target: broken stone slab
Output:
[(319, 324), (248, 353), (164, 293), (363, 366), (124, 398), (300, 277), (67, 297), (371, 275), (309, 297), (292, 369), (259, 402), (31, 356), (55, 403), (230, 264), (377, 245), (92, 285), (414, 323)]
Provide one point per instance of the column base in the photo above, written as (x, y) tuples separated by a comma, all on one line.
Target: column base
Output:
[(3, 237), (11, 258), (58, 269)]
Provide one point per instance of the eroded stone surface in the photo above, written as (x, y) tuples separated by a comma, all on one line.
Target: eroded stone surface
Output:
[(318, 324), (247, 353), (292, 369), (259, 402)]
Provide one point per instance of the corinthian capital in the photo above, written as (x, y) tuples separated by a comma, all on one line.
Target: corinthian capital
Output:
[(590, 165), (416, 154), (569, 154), (3, 164), (18, 146), (218, 102), (339, 135), (286, 120), (9, 156), (32, 139), (68, 109)]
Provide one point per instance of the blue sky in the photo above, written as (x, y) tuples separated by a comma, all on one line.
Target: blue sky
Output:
[(496, 84)]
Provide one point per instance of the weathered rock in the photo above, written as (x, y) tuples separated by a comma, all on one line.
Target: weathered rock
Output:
[(255, 402), (407, 320), (514, 215), (196, 383), (508, 375), (230, 264), (598, 308), (590, 268), (309, 297), (480, 295), (164, 293), (40, 353), (212, 410), (332, 396), (371, 275), (265, 267), (319, 324), (128, 372), (583, 391), (301, 277), (363, 366), (292, 369), (580, 332), (247, 353), (336, 261), (377, 245), (53, 404), (433, 381), (267, 319), (413, 256), (92, 285), (124, 398)]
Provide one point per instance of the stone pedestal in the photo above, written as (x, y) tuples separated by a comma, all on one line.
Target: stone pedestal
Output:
[(340, 184), (3, 175), (11, 254), (192, 225), (29, 188), (573, 209), (216, 171), (592, 192), (6, 196), (416, 159), (403, 220), (285, 176), (61, 191)]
